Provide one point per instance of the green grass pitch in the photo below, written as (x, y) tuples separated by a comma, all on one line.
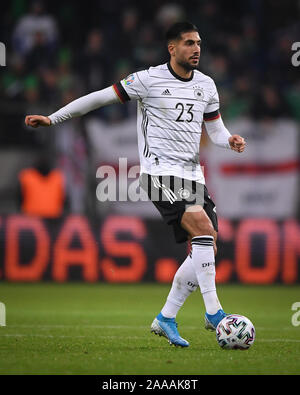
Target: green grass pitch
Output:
[(79, 328)]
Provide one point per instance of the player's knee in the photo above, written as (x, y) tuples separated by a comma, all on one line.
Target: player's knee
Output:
[(202, 228), (197, 224)]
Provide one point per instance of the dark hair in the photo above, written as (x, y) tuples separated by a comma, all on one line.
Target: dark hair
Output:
[(175, 31)]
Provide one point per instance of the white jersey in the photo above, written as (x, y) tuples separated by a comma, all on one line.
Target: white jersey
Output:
[(169, 120), (171, 111)]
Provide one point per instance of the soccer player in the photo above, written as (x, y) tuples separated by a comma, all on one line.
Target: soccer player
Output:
[(174, 99)]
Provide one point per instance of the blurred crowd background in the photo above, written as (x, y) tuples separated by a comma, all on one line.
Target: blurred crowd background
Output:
[(58, 51)]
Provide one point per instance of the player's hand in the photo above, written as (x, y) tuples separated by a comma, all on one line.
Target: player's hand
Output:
[(37, 120), (237, 143)]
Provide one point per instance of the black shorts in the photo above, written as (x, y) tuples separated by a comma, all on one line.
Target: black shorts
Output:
[(172, 195)]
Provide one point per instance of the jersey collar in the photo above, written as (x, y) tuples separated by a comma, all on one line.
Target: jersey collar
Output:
[(178, 76)]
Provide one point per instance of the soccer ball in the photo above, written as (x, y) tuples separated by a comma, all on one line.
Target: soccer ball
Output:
[(235, 332)]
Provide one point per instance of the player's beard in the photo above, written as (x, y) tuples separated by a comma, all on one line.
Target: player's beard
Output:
[(187, 66)]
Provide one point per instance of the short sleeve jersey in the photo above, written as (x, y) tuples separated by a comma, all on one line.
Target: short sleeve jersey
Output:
[(169, 118)]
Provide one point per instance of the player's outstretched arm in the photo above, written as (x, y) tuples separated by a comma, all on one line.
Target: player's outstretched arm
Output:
[(76, 108)]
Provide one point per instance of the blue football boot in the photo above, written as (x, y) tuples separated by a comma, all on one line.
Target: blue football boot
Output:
[(167, 327), (212, 320)]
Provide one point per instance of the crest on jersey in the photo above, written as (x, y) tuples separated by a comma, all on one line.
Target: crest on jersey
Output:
[(129, 79), (184, 193), (199, 94)]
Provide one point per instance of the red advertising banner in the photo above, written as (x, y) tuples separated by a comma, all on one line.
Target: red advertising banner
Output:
[(130, 249)]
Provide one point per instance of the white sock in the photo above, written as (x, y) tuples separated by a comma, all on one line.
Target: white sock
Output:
[(184, 283), (203, 261)]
